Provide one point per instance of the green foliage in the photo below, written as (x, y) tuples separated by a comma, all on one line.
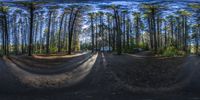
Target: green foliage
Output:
[(53, 49), (194, 5), (184, 13), (171, 51), (143, 46)]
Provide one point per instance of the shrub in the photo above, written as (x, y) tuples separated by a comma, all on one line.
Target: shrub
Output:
[(171, 51), (53, 49), (181, 53), (143, 46), (160, 50)]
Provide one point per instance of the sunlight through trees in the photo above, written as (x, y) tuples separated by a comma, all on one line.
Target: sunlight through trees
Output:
[(42, 27)]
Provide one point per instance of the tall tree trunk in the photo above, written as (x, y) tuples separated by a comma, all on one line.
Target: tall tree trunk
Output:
[(185, 34), (92, 31), (118, 29), (124, 30), (41, 26), (3, 36), (15, 35), (36, 33), (48, 33), (165, 26), (59, 43), (158, 30), (72, 20), (127, 33), (137, 31), (31, 32), (178, 32), (96, 33), (154, 30), (150, 32), (172, 30), (114, 35), (109, 33), (6, 36)]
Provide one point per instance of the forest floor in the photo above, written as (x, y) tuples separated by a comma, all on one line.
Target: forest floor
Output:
[(112, 77), (151, 72)]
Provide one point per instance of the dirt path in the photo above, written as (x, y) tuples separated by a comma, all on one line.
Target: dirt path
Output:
[(188, 89), (8, 82), (59, 80), (99, 84), (192, 89), (59, 56)]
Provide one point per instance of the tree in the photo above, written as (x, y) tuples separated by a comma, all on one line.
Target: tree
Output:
[(96, 26), (195, 36), (109, 21), (152, 10), (91, 15), (196, 27), (31, 8), (124, 14), (41, 18), (61, 23), (137, 27), (4, 11), (184, 15), (116, 12), (74, 11), (16, 25), (101, 29), (128, 22), (165, 32), (51, 10)]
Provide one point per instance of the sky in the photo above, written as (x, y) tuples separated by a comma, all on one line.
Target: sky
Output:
[(100, 0)]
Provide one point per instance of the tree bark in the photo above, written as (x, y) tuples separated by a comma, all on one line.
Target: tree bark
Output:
[(48, 33), (59, 43), (31, 27)]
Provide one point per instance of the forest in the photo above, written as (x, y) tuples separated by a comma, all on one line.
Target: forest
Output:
[(41, 28), (94, 50)]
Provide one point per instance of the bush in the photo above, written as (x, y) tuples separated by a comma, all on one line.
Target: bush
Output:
[(160, 50), (143, 46), (171, 51), (53, 49), (181, 53)]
